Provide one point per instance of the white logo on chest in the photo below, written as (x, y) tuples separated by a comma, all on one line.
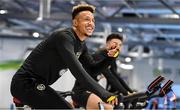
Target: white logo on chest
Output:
[(78, 54)]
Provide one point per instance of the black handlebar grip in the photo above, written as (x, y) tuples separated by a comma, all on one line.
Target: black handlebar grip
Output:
[(154, 85), (166, 88)]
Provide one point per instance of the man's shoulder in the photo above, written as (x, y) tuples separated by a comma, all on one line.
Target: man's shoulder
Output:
[(66, 33), (63, 30), (100, 51), (99, 54)]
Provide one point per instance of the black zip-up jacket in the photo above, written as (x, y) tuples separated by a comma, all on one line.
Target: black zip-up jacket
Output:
[(110, 73), (60, 51)]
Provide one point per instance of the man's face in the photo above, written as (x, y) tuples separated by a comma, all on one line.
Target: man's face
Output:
[(85, 23), (114, 43)]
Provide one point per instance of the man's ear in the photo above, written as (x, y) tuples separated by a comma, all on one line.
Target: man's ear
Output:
[(107, 46), (75, 22)]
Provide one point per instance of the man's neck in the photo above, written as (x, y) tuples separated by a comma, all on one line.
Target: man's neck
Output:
[(79, 35)]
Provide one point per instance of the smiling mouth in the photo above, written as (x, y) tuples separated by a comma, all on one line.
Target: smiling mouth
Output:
[(90, 28)]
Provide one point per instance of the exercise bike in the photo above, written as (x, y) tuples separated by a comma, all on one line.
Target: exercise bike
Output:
[(137, 97), (140, 100)]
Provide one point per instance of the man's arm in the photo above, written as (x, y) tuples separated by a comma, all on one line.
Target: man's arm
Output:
[(122, 82), (65, 47), (111, 74), (114, 82), (93, 64), (114, 72)]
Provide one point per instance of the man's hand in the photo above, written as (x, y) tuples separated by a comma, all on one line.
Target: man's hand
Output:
[(113, 50), (112, 100), (130, 93), (113, 53)]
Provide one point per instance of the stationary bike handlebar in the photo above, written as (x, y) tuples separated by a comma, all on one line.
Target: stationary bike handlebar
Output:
[(143, 96), (152, 88), (155, 85), (166, 88), (131, 97)]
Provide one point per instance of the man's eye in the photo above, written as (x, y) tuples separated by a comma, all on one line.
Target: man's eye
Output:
[(87, 19)]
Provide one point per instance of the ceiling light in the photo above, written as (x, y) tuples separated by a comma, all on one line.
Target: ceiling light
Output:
[(127, 59), (175, 16), (36, 34), (126, 66), (120, 29), (39, 19), (3, 11)]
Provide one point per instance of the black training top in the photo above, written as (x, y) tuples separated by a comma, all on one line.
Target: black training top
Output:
[(58, 52), (107, 72)]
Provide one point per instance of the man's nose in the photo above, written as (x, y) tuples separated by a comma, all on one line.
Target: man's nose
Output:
[(91, 22)]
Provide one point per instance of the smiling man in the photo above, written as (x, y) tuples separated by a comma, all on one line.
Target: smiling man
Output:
[(57, 53)]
